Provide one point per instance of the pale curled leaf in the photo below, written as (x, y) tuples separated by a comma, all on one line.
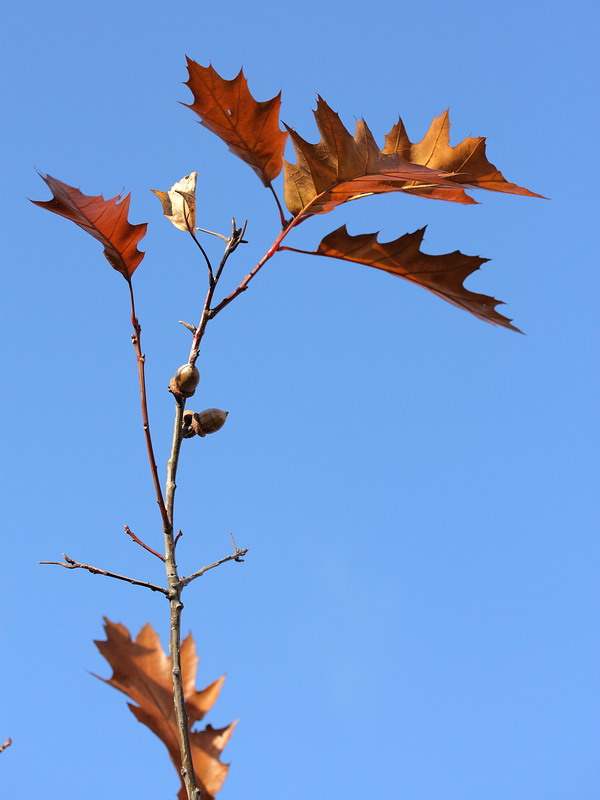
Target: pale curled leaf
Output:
[(179, 202), (443, 274), (142, 671)]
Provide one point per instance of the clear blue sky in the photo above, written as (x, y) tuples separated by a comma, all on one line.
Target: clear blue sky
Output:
[(417, 615)]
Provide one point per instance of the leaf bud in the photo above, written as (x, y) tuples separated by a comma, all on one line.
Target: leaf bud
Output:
[(185, 381), (209, 421)]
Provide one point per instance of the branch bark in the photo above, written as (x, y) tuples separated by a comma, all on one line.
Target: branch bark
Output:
[(129, 532), (70, 563), (176, 607), (236, 556)]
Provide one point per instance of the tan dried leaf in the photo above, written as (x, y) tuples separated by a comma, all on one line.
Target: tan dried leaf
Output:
[(179, 203), (341, 167), (142, 671), (467, 160)]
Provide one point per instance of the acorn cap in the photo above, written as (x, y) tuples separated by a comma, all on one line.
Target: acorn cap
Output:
[(186, 425), (185, 381), (209, 421)]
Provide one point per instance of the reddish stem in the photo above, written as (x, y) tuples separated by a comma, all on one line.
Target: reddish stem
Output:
[(269, 254), (129, 532), (141, 361)]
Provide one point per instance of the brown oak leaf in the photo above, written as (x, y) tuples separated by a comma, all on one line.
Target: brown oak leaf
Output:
[(443, 275), (466, 160), (105, 220), (249, 128), (342, 167), (142, 671)]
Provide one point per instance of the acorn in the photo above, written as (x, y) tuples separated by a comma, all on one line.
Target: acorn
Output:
[(186, 425), (185, 381), (209, 421)]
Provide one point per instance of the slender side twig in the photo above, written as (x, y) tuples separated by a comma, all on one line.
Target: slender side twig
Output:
[(302, 216), (72, 564), (213, 233), (190, 228), (234, 240), (206, 258), (141, 360), (296, 250), (212, 312), (280, 209), (6, 744), (237, 556), (129, 532)]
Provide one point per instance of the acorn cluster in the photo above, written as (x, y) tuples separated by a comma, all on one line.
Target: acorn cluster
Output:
[(183, 385)]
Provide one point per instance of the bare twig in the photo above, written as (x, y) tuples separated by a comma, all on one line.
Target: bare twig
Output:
[(213, 233), (235, 556), (141, 359), (234, 240), (206, 258), (244, 284), (6, 744), (72, 564), (129, 532), (237, 237)]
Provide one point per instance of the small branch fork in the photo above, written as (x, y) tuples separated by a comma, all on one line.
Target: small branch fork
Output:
[(209, 312), (232, 243), (70, 563)]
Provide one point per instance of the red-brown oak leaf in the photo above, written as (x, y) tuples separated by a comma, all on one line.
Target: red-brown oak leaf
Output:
[(250, 128), (105, 220), (443, 274), (142, 671)]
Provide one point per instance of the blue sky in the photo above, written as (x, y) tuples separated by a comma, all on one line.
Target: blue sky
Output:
[(417, 614)]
